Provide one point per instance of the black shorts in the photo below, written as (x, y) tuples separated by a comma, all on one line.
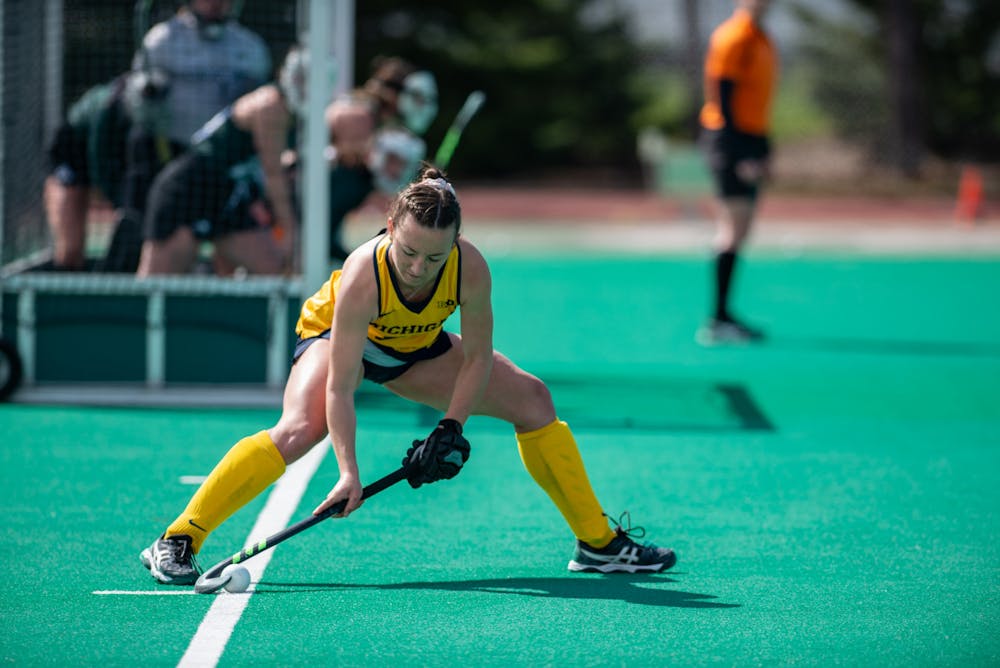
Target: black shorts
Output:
[(379, 372), (193, 191), (723, 151), (68, 156)]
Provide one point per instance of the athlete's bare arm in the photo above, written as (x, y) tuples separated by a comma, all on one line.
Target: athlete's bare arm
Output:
[(356, 305), (476, 311), (265, 115)]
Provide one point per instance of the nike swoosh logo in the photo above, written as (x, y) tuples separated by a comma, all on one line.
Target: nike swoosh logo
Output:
[(191, 522)]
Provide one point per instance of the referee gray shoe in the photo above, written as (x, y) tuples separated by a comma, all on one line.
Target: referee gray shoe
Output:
[(622, 554), (171, 560), (721, 332)]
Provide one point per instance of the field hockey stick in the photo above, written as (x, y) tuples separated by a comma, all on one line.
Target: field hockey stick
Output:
[(450, 142), (212, 580)]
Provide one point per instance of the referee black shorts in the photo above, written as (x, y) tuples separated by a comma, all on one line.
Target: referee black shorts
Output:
[(723, 151)]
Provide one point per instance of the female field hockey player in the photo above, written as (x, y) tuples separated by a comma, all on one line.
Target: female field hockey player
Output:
[(380, 317)]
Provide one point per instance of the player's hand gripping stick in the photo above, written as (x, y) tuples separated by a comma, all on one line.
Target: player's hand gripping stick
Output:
[(439, 456)]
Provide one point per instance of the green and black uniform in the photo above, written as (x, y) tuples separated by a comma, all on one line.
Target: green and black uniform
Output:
[(89, 148), (210, 187)]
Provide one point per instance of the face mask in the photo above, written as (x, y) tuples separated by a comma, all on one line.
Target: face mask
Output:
[(212, 26), (144, 96), (418, 101), (292, 80), (293, 75), (209, 29), (394, 160)]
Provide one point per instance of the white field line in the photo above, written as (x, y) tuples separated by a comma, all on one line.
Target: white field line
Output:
[(193, 479), (126, 592), (210, 640)]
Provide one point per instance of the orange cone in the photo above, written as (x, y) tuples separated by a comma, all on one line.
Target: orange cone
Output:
[(969, 207)]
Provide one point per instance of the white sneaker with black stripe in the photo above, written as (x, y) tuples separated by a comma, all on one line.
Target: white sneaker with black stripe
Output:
[(622, 554)]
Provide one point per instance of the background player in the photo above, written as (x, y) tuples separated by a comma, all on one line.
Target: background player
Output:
[(396, 96), (236, 185), (209, 60), (88, 153), (230, 187)]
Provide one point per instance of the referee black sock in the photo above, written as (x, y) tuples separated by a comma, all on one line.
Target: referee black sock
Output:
[(725, 263)]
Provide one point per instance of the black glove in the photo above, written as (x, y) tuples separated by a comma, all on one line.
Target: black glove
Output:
[(439, 456)]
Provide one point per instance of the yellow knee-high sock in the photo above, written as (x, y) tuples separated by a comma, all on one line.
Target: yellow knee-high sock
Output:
[(246, 471), (553, 460)]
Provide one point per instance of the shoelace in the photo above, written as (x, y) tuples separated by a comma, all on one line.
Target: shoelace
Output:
[(180, 553), (631, 532)]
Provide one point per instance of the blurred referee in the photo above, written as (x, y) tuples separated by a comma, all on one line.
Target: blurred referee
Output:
[(741, 70)]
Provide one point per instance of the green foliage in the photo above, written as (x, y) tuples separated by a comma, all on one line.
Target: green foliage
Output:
[(667, 102), (557, 78), (796, 113), (954, 43), (846, 73), (962, 89)]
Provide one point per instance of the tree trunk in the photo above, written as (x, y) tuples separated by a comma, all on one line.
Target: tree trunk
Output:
[(906, 130)]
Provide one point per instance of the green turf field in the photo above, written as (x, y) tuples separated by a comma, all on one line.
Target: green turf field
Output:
[(833, 495)]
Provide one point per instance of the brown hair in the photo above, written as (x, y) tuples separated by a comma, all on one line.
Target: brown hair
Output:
[(431, 200), (386, 80)]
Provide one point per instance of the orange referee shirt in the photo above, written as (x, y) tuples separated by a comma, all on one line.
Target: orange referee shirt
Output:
[(739, 51)]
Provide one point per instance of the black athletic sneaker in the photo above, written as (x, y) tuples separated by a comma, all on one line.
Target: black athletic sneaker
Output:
[(171, 561), (622, 554)]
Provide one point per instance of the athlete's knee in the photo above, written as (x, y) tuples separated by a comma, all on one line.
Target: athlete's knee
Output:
[(294, 436), (535, 404)]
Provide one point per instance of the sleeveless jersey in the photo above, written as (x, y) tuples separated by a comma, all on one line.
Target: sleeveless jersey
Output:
[(222, 142), (402, 326)]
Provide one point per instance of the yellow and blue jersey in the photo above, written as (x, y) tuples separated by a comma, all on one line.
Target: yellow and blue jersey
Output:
[(402, 326)]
